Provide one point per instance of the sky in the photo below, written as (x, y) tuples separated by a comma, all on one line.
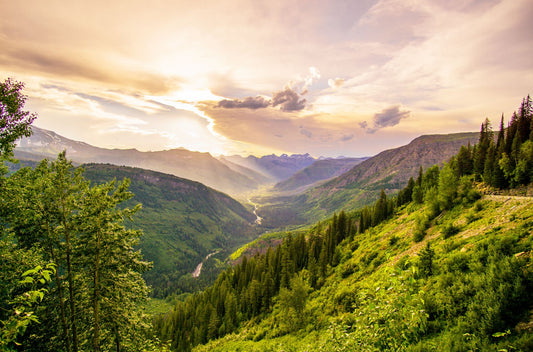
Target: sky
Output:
[(328, 78)]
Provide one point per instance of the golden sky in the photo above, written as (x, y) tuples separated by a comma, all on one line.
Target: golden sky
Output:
[(329, 78)]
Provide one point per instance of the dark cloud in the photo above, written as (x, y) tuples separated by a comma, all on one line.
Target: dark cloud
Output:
[(288, 100), (347, 137), (248, 102), (390, 117), (386, 118)]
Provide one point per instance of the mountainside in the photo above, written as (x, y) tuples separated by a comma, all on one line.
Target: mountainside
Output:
[(464, 285), (275, 167), (183, 221), (389, 170), (320, 170), (392, 168), (201, 167), (257, 176)]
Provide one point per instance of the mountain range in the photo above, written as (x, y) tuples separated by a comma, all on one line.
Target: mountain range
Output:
[(201, 167), (275, 167), (318, 171), (389, 170), (184, 218), (234, 175)]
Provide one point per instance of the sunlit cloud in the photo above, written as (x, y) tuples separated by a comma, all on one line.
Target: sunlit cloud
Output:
[(335, 83)]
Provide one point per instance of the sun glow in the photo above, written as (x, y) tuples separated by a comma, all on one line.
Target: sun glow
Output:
[(187, 100)]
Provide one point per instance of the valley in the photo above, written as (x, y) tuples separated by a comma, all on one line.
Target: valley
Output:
[(417, 247), (266, 176), (184, 221)]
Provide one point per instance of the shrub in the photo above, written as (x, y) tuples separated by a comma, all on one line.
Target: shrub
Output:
[(421, 225), (449, 230), (393, 240)]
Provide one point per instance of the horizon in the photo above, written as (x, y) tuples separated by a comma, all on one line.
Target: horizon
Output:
[(319, 157), (246, 78)]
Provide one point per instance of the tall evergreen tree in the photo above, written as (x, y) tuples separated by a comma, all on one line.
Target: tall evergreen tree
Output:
[(524, 120), (501, 136), (486, 137)]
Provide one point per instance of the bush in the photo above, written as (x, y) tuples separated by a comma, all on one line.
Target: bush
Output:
[(471, 217), (449, 230), (421, 225), (393, 240)]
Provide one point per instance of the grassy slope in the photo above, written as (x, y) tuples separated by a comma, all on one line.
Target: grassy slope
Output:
[(376, 297)]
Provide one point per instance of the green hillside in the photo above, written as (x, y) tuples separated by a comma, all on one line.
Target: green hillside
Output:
[(439, 266), (182, 220), (467, 285), (385, 294)]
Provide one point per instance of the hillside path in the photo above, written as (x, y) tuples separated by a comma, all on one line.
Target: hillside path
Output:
[(506, 198)]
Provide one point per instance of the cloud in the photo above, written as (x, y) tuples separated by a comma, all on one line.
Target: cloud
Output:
[(347, 137), (335, 83), (74, 67), (288, 100), (390, 117), (248, 102), (305, 132), (386, 118)]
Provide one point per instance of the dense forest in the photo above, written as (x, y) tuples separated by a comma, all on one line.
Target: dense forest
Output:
[(470, 301), (439, 265), (70, 278)]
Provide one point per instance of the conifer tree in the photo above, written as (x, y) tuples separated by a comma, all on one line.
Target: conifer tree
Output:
[(488, 170), (485, 140), (524, 120), (501, 136)]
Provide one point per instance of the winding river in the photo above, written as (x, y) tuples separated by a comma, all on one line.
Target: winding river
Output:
[(198, 269)]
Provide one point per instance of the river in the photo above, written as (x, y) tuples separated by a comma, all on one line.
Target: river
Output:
[(258, 218), (198, 269)]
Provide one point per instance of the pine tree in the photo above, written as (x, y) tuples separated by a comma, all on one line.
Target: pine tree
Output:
[(486, 138), (501, 136), (511, 133), (426, 260), (112, 269), (380, 209), (488, 170), (447, 188), (464, 161), (524, 120)]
